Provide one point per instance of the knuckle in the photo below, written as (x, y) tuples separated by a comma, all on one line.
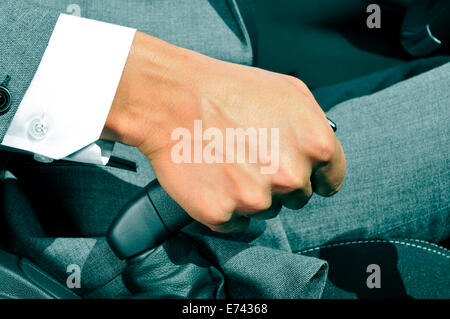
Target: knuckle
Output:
[(233, 226), (324, 148), (294, 181), (217, 214), (216, 219), (257, 199)]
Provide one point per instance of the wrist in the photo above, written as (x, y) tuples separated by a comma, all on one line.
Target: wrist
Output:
[(158, 82), (120, 119)]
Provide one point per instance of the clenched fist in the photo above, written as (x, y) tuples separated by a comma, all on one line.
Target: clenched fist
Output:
[(180, 107)]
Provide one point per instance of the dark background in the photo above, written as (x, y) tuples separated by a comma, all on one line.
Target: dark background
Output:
[(323, 41)]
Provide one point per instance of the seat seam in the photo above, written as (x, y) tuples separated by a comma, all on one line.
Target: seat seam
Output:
[(446, 253)]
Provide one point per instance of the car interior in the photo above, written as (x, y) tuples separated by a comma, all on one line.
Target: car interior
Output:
[(328, 45)]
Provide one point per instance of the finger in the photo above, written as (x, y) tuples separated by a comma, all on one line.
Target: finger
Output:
[(327, 178), (236, 224), (298, 198), (271, 212)]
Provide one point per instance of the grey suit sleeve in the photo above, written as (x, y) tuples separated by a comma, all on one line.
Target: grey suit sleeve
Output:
[(25, 30)]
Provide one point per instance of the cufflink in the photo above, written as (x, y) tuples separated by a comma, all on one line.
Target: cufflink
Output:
[(5, 96), (38, 128)]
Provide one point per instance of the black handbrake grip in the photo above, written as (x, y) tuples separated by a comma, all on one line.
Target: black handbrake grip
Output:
[(145, 222)]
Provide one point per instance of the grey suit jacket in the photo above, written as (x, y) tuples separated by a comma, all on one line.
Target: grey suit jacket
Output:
[(212, 27)]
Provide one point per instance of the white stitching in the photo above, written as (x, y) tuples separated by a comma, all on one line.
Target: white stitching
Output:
[(446, 254), (428, 243)]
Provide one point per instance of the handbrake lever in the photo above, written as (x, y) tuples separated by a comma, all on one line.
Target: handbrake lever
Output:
[(145, 222)]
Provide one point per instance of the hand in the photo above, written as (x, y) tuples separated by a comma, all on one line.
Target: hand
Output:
[(164, 87)]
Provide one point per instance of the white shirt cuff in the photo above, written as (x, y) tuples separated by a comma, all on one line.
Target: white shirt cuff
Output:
[(97, 153), (66, 105)]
